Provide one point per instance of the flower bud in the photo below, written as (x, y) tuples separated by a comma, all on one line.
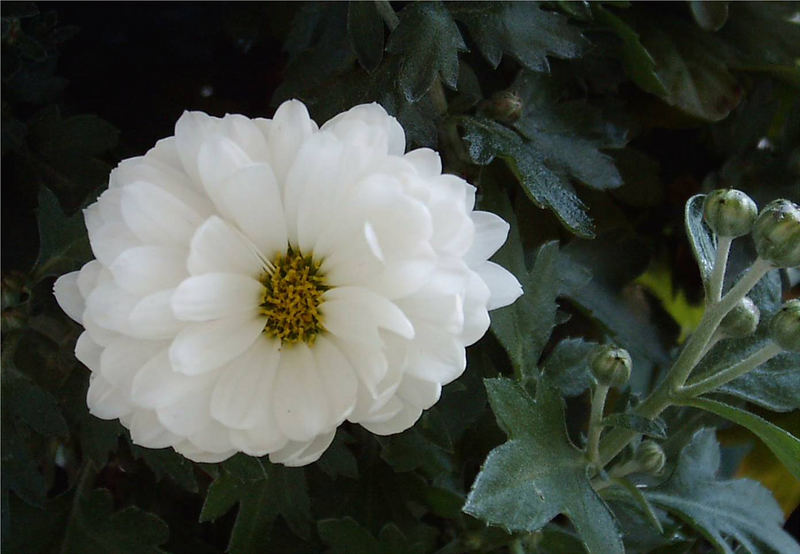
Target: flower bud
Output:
[(742, 320), (504, 106), (611, 366), (776, 233), (785, 326), (650, 456), (729, 212)]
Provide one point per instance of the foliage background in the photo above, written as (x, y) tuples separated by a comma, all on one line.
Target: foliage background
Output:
[(625, 112)]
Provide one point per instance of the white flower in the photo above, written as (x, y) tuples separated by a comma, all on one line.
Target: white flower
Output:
[(258, 282)]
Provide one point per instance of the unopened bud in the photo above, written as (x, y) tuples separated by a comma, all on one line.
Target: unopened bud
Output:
[(729, 212), (504, 106), (611, 366), (776, 233), (742, 320), (650, 456), (785, 326)]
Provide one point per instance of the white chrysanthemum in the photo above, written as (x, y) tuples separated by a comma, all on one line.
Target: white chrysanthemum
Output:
[(258, 282)]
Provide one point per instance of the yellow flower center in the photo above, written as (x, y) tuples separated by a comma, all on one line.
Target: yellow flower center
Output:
[(293, 292)]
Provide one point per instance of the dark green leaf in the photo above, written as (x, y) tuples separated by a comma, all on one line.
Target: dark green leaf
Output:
[(650, 427), (784, 445), (521, 29), (222, 495), (741, 509), (487, 140), (538, 473), (346, 536), (638, 62), (711, 16), (365, 29), (34, 406), (166, 462), (634, 495), (93, 527), (338, 459), (429, 41), (567, 367), (63, 243)]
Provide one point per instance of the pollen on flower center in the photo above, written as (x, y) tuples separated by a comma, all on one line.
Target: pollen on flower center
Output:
[(293, 292)]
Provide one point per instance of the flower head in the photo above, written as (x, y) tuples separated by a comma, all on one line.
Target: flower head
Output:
[(257, 282)]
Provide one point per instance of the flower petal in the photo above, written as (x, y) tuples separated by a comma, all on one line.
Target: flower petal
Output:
[(338, 378), (105, 400), (122, 359), (147, 431), (157, 384), (296, 454), (152, 317), (218, 247), (216, 295), (290, 127), (491, 232), (299, 398), (146, 269), (68, 296), (355, 313), (157, 217), (88, 351), (503, 285), (218, 159), (244, 385), (201, 347)]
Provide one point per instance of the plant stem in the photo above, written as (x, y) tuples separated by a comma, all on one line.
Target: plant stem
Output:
[(595, 422), (387, 13), (666, 391), (717, 278), (710, 383)]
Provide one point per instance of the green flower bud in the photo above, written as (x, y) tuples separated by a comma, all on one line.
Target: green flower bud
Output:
[(785, 326), (650, 456), (504, 106), (776, 233), (729, 212), (742, 320), (610, 365)]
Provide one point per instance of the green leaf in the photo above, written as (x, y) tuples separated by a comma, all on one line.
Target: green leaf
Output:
[(93, 527), (634, 495), (783, 444), (701, 238), (487, 139), (263, 491), (34, 406), (711, 16), (165, 462), (429, 42), (538, 474), (567, 367), (520, 29), (774, 385), (365, 29), (741, 509), (63, 242), (692, 66), (639, 64), (346, 536), (651, 427)]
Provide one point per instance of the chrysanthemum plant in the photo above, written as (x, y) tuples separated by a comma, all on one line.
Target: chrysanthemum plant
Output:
[(434, 303)]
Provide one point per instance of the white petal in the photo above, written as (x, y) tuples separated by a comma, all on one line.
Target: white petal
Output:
[(355, 313), (123, 358), (147, 431), (146, 269), (191, 130), (186, 415), (445, 311), (338, 378), (87, 277), (88, 351), (190, 451), (109, 240), (419, 392), (251, 198), (503, 285), (300, 401), (216, 295), (152, 317), (212, 437), (297, 454), (68, 295), (245, 384), (402, 420), (426, 161), (290, 126), (370, 124), (157, 384), (104, 400), (109, 307), (262, 439), (218, 159), (157, 217), (201, 347), (247, 135), (368, 360), (217, 247), (491, 232)]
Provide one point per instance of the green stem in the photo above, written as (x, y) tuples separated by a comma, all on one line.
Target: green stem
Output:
[(387, 13), (664, 394), (595, 422), (712, 382), (717, 278)]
